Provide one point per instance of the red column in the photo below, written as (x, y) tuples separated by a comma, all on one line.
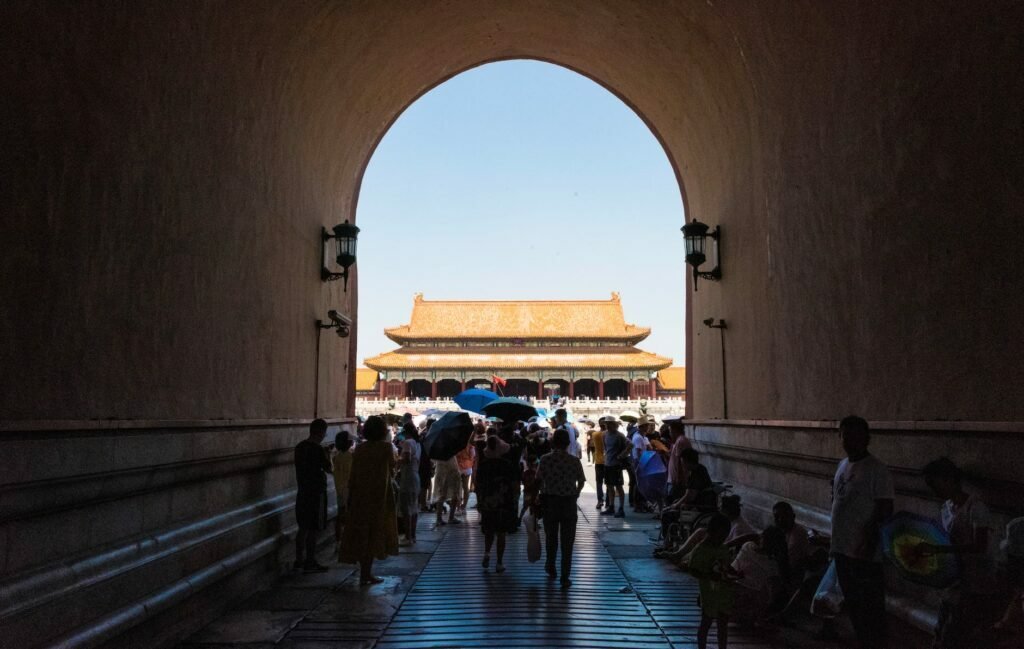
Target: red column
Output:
[(572, 389), (462, 385), (433, 389), (382, 387), (540, 389), (600, 389)]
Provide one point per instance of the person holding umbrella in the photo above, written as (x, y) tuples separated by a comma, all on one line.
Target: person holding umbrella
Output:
[(497, 490), (561, 480), (447, 436)]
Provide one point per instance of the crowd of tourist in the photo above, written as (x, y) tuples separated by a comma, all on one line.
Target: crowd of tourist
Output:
[(384, 481)]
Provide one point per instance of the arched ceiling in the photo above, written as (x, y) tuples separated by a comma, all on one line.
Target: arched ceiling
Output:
[(179, 143)]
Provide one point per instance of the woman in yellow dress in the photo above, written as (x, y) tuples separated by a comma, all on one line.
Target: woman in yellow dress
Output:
[(371, 531)]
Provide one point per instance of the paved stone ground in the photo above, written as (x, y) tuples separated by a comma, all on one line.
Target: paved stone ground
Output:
[(437, 595)]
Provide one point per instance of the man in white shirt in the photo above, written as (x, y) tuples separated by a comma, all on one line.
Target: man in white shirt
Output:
[(562, 421), (862, 498)]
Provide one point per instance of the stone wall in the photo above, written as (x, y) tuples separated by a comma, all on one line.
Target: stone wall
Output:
[(114, 524)]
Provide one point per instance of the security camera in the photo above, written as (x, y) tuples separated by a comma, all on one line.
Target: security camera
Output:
[(709, 322), (340, 323), (339, 320)]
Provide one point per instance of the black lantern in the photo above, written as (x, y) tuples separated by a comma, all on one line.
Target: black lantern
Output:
[(346, 236), (696, 235)]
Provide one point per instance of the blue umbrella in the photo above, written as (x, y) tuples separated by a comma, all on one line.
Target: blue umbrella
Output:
[(652, 474), (475, 399)]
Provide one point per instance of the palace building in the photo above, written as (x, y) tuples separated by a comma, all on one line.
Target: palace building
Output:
[(538, 348)]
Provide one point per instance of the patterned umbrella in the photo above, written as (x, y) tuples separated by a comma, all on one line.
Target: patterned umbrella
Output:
[(901, 535)]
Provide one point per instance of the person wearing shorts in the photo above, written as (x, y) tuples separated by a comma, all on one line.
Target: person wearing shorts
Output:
[(616, 452)]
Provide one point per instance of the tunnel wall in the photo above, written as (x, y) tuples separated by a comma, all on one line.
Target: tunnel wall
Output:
[(168, 166)]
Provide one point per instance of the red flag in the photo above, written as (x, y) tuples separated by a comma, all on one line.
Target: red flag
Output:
[(498, 380)]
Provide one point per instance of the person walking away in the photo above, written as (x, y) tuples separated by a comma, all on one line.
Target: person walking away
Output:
[(531, 487), (862, 498), (561, 481), (426, 473), (590, 444), (312, 464), (711, 565), (616, 454), (372, 529), (562, 421), (639, 444), (466, 459), (972, 604), (409, 481), (447, 488), (496, 495), (341, 467), (597, 438), (537, 439)]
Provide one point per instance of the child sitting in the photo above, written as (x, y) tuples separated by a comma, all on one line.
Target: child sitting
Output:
[(710, 563)]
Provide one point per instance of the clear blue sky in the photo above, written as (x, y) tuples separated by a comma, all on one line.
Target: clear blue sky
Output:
[(521, 180)]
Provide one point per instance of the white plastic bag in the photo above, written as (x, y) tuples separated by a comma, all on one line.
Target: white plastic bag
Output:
[(828, 598), (532, 538)]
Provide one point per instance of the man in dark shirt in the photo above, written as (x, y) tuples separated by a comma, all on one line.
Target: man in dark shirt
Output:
[(311, 468), (700, 491), (616, 454)]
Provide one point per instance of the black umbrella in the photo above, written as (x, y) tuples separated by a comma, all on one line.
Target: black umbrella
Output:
[(448, 435), (510, 409)]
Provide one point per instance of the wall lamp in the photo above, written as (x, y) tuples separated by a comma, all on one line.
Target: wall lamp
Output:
[(696, 235), (339, 323), (346, 235)]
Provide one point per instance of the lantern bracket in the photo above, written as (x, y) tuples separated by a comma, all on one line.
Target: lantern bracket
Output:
[(345, 235), (696, 233)]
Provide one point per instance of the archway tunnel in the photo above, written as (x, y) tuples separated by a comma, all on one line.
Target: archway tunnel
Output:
[(169, 167)]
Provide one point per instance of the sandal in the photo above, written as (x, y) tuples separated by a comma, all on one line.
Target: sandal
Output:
[(371, 581), (499, 568)]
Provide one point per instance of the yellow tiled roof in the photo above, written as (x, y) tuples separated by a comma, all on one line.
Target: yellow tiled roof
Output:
[(366, 379), (564, 319), (673, 378), (459, 359)]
